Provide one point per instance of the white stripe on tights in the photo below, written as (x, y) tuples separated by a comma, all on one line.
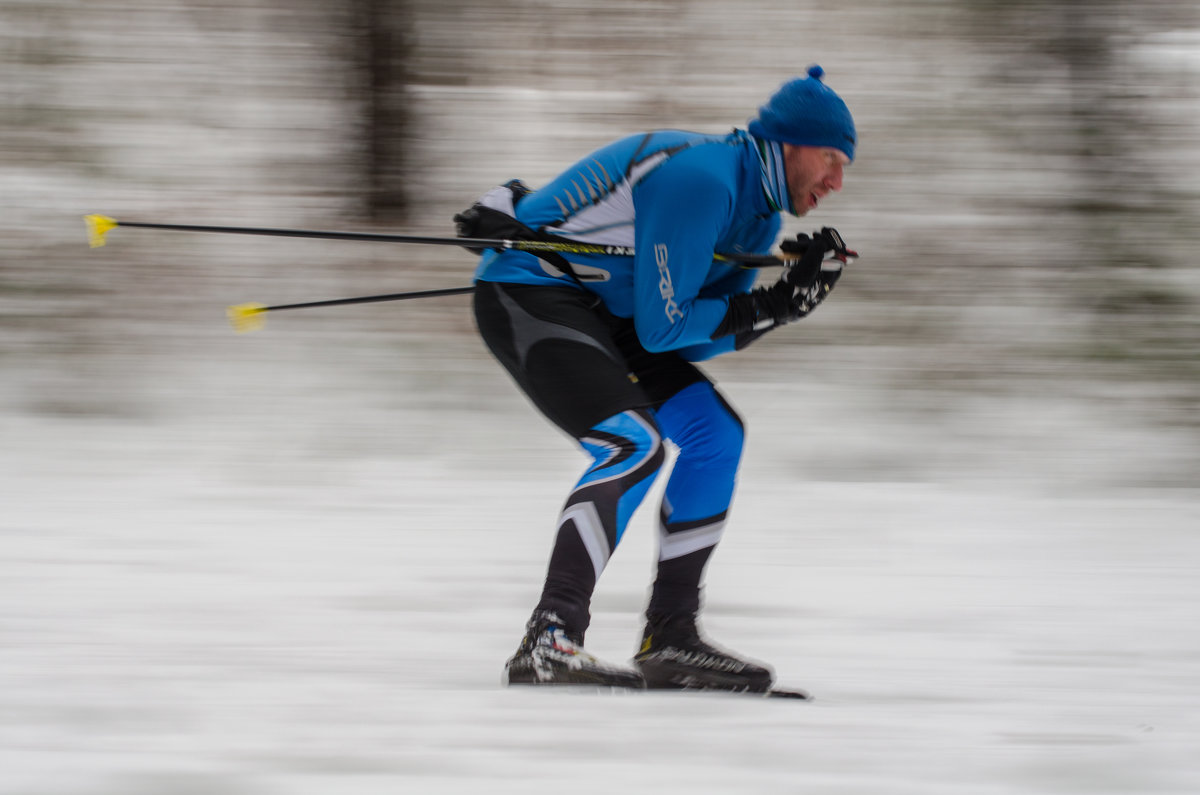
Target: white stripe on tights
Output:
[(591, 532), (676, 545)]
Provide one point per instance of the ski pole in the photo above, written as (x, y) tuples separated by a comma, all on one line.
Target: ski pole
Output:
[(251, 317), (99, 226)]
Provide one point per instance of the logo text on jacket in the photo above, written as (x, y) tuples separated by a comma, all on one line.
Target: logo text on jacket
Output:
[(665, 288)]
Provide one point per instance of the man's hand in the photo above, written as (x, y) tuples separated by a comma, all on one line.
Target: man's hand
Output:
[(494, 216), (813, 268), (816, 268)]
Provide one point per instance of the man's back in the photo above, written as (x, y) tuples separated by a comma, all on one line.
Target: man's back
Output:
[(675, 196)]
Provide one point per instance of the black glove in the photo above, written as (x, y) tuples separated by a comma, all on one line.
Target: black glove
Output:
[(810, 257), (752, 314), (802, 258), (818, 267), (812, 271), (492, 217)]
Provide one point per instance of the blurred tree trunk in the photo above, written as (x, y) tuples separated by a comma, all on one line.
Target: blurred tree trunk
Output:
[(385, 48), (1103, 115)]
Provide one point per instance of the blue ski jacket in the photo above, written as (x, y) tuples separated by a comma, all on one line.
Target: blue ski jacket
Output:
[(676, 198)]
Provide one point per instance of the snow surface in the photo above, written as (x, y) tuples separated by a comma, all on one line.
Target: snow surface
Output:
[(303, 575)]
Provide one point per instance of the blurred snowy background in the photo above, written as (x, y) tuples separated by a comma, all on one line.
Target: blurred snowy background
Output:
[(295, 561)]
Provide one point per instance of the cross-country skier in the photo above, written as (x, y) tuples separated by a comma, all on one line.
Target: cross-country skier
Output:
[(604, 346)]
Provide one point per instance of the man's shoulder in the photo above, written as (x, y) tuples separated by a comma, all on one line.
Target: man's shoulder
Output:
[(704, 163)]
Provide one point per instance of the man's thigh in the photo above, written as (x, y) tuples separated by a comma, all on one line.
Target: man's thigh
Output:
[(558, 346)]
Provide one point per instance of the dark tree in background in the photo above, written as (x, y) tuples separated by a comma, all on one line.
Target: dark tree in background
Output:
[(384, 41)]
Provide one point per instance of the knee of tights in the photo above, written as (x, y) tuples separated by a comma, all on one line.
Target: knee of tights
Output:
[(625, 446)]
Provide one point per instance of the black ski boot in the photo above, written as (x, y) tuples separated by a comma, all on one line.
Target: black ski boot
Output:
[(674, 656), (550, 654)]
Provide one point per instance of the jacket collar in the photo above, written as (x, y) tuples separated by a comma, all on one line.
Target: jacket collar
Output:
[(768, 156)]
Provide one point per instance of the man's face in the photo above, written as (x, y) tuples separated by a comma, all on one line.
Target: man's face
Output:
[(812, 173)]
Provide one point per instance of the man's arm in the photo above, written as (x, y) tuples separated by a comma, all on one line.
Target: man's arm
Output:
[(681, 211), (737, 282)]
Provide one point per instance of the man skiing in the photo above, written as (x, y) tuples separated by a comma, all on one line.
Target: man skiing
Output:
[(604, 346)]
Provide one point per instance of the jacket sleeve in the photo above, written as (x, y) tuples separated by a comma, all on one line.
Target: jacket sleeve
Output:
[(739, 281), (680, 209)]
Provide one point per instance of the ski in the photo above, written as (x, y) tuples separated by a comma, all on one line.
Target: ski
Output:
[(581, 686), (784, 692), (775, 692)]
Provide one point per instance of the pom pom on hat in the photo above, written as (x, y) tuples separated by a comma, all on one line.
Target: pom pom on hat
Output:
[(806, 112)]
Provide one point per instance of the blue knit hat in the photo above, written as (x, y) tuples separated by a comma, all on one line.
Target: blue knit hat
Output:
[(806, 112)]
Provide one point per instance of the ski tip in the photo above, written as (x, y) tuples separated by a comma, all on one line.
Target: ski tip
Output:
[(794, 693), (247, 317), (97, 227)]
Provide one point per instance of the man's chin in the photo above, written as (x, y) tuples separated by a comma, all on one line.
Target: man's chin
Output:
[(804, 206)]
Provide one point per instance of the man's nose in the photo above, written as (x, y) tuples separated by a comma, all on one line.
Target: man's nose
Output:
[(834, 180)]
